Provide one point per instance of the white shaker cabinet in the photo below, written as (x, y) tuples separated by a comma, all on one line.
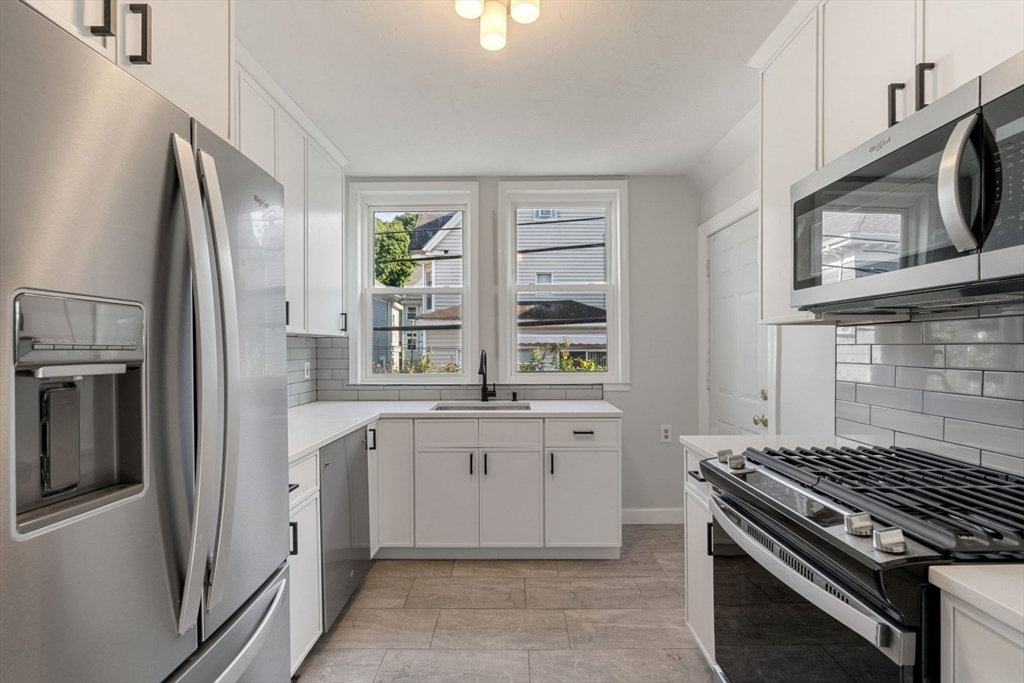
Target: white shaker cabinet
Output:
[(394, 448), (291, 173), (700, 597), (84, 19), (325, 205), (965, 38), (581, 498), (304, 565), (512, 499), (447, 498), (257, 124), (187, 56), (789, 105), (867, 44)]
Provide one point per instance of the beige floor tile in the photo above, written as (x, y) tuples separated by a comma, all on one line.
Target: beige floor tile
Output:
[(506, 569), (486, 629), (445, 666), (672, 563), (454, 593), (667, 593), (615, 666), (410, 568), (341, 666), (582, 593), (383, 628), (382, 593), (633, 566), (693, 665), (608, 629)]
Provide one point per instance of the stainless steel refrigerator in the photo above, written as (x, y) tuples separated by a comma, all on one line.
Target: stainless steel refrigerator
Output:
[(143, 477)]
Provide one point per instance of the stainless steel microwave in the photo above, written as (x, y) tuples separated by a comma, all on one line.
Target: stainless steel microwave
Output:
[(929, 215)]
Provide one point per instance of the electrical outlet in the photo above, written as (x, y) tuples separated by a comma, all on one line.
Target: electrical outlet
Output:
[(666, 433), (305, 370)]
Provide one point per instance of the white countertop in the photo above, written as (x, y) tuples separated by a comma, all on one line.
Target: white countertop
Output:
[(319, 423), (995, 589), (708, 445)]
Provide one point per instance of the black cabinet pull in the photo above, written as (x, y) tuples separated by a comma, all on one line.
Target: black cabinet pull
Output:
[(295, 538), (893, 88), (711, 543), (485, 464), (471, 464), (145, 55), (583, 432), (373, 440), (919, 72), (552, 463), (292, 487), (696, 475), (287, 313), (109, 26), (343, 322)]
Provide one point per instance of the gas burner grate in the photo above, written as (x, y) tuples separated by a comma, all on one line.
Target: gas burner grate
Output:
[(955, 507)]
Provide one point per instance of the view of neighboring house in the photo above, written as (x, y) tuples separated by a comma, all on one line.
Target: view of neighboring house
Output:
[(423, 332)]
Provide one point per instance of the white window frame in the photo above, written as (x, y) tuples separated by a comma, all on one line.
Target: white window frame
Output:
[(609, 194), (368, 198)]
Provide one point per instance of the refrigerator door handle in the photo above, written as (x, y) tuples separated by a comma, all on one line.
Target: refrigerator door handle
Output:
[(203, 297), (231, 370), (244, 658)]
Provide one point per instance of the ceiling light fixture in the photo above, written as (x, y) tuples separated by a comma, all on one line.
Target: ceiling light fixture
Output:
[(494, 15)]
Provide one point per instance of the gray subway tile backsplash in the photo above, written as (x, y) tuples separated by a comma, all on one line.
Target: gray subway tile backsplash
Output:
[(952, 385)]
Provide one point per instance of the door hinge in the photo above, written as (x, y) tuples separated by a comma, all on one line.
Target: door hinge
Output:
[(708, 381), (707, 268)]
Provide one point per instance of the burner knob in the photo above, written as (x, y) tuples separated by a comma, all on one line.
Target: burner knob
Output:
[(889, 540), (737, 462), (858, 525), (723, 455)]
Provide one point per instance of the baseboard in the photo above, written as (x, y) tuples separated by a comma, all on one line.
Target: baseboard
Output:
[(652, 515)]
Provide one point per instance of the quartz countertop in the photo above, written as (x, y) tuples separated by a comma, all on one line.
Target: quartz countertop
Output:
[(708, 445), (995, 589), (319, 423)]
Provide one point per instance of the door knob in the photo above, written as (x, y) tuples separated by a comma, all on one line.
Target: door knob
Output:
[(757, 420), (761, 420), (763, 394)]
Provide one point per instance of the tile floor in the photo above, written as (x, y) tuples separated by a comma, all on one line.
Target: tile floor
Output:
[(529, 621)]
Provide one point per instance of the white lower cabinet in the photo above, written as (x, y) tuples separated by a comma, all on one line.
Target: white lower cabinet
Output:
[(977, 647), (447, 499), (582, 498), (512, 499), (304, 569), (394, 447), (700, 598)]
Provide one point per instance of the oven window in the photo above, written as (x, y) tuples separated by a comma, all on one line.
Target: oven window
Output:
[(884, 216)]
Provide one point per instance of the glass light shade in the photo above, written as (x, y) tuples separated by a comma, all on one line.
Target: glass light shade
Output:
[(469, 9), (493, 25), (525, 11)]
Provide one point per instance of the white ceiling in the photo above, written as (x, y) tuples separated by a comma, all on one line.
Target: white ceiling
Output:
[(594, 87)]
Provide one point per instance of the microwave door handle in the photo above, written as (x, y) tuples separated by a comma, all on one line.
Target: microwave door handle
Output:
[(231, 372), (203, 299), (958, 226)]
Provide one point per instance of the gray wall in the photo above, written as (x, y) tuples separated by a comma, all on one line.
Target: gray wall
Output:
[(951, 386)]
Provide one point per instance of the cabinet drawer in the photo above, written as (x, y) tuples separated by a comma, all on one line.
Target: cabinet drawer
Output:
[(305, 473), (445, 434), (694, 479), (510, 433), (584, 433)]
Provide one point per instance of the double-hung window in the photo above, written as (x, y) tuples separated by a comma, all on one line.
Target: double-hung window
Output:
[(414, 282), (564, 298)]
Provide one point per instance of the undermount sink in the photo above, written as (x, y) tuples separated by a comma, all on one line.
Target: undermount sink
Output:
[(480, 405)]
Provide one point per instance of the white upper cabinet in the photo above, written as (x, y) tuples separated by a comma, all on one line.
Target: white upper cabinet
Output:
[(257, 124), (867, 44), (291, 173), (84, 19), (325, 196), (789, 148), (186, 57), (965, 38)]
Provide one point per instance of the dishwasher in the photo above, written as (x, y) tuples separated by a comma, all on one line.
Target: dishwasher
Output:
[(344, 520)]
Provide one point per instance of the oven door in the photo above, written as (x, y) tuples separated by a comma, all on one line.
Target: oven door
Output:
[(902, 213), (778, 618), (1002, 94)]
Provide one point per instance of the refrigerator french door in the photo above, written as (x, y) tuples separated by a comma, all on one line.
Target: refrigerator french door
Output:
[(143, 514)]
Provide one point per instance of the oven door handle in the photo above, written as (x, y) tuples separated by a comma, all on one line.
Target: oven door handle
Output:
[(894, 641), (958, 225)]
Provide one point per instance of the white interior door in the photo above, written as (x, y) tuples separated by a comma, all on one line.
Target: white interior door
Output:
[(740, 350)]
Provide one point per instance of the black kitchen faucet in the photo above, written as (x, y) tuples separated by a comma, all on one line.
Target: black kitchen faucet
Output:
[(485, 393)]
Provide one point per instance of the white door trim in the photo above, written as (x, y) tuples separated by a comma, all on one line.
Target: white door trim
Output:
[(735, 213)]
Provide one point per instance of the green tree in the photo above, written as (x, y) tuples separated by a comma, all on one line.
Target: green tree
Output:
[(391, 250)]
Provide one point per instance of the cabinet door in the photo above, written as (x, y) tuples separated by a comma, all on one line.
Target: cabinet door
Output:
[(374, 484), (788, 153), (257, 124), (582, 499), (189, 55), (394, 483), (325, 201), (447, 499), (512, 499), (304, 569), (78, 17), (965, 38), (700, 598), (867, 45), (291, 173)]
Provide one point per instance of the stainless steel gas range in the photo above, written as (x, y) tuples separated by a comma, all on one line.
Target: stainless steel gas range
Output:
[(821, 557)]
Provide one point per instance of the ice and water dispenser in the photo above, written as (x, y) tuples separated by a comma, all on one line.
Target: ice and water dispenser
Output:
[(79, 406)]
